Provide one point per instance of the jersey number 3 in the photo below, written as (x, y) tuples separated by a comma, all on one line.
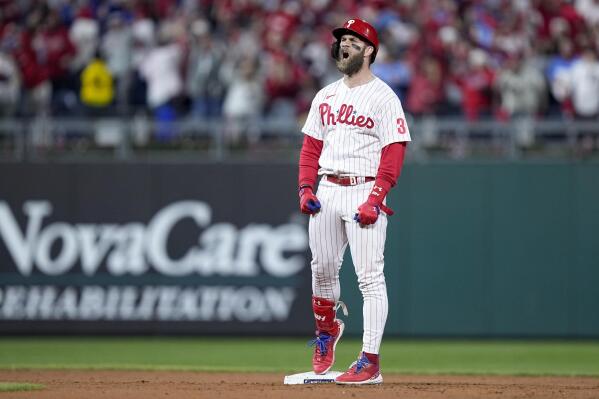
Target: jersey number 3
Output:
[(401, 125)]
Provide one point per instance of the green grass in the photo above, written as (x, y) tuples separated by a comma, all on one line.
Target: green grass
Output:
[(292, 355), (18, 386)]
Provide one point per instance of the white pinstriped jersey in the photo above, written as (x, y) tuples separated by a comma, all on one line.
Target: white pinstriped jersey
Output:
[(355, 124)]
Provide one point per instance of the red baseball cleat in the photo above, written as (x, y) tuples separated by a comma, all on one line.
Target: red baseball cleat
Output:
[(324, 351), (360, 372)]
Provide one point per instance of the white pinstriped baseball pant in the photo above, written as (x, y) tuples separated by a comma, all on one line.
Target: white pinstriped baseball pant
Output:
[(330, 231)]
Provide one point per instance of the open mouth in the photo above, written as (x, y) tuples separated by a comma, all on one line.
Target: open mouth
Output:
[(345, 54)]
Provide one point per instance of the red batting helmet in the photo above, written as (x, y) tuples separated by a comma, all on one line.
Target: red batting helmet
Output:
[(360, 28)]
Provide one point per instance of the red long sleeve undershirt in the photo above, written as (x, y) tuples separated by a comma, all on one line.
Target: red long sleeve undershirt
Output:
[(392, 157), (308, 161)]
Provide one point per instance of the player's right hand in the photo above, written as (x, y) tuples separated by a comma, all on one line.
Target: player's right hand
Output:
[(309, 204)]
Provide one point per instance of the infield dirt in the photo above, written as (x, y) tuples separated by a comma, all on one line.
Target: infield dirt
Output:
[(71, 384)]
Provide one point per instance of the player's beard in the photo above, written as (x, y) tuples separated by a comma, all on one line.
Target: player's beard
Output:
[(351, 65)]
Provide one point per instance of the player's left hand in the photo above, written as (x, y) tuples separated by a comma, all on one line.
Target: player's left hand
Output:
[(367, 214)]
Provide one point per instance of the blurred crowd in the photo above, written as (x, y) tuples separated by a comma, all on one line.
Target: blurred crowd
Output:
[(243, 60)]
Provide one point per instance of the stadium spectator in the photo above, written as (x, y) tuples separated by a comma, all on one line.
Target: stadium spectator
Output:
[(395, 72), (557, 74), (309, 88), (589, 10), (476, 85), (511, 37), (558, 18), (53, 45), (143, 41), (161, 70), (584, 85), (116, 49), (205, 84), (97, 88), (282, 84), (10, 82), (315, 56), (521, 87), (37, 90), (84, 33), (243, 103), (426, 89)]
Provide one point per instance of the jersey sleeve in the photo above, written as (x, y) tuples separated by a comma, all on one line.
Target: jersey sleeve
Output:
[(314, 126), (393, 126)]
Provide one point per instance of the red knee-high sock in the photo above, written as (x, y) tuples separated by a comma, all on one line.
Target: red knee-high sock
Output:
[(324, 313)]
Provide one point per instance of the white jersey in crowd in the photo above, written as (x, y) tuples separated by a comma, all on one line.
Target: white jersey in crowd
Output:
[(355, 124), (584, 81)]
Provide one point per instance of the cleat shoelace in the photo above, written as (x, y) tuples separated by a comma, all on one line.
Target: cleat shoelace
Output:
[(321, 342), (361, 363)]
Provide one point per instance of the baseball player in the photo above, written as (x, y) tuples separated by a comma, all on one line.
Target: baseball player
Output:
[(355, 138)]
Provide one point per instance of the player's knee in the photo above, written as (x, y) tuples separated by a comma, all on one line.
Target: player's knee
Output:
[(324, 270), (372, 283), (321, 278)]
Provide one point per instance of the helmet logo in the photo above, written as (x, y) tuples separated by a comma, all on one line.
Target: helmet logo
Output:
[(351, 21)]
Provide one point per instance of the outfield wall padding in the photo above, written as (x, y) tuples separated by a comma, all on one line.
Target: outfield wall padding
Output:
[(474, 250)]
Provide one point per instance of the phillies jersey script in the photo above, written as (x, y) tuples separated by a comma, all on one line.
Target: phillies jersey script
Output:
[(355, 124)]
